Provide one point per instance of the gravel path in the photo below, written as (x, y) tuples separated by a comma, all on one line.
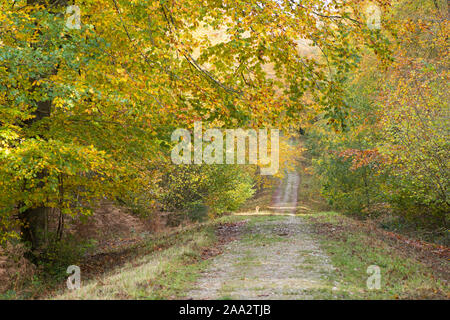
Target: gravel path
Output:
[(275, 257), (271, 260)]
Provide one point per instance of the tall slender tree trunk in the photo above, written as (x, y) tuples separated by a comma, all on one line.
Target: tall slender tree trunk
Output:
[(34, 220)]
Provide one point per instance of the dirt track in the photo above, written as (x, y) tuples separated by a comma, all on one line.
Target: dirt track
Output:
[(275, 257)]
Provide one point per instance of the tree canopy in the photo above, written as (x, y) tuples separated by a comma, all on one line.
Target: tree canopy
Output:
[(87, 112)]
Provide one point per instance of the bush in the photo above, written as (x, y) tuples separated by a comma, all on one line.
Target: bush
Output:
[(205, 189), (197, 212), (57, 256)]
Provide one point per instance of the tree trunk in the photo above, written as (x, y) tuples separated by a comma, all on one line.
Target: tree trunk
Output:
[(33, 226), (33, 220)]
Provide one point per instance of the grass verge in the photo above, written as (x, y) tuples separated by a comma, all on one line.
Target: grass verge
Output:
[(353, 246), (165, 273)]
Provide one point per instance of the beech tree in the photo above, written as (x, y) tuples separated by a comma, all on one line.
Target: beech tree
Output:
[(86, 113)]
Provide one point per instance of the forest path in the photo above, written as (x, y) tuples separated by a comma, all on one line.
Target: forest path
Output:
[(275, 256)]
